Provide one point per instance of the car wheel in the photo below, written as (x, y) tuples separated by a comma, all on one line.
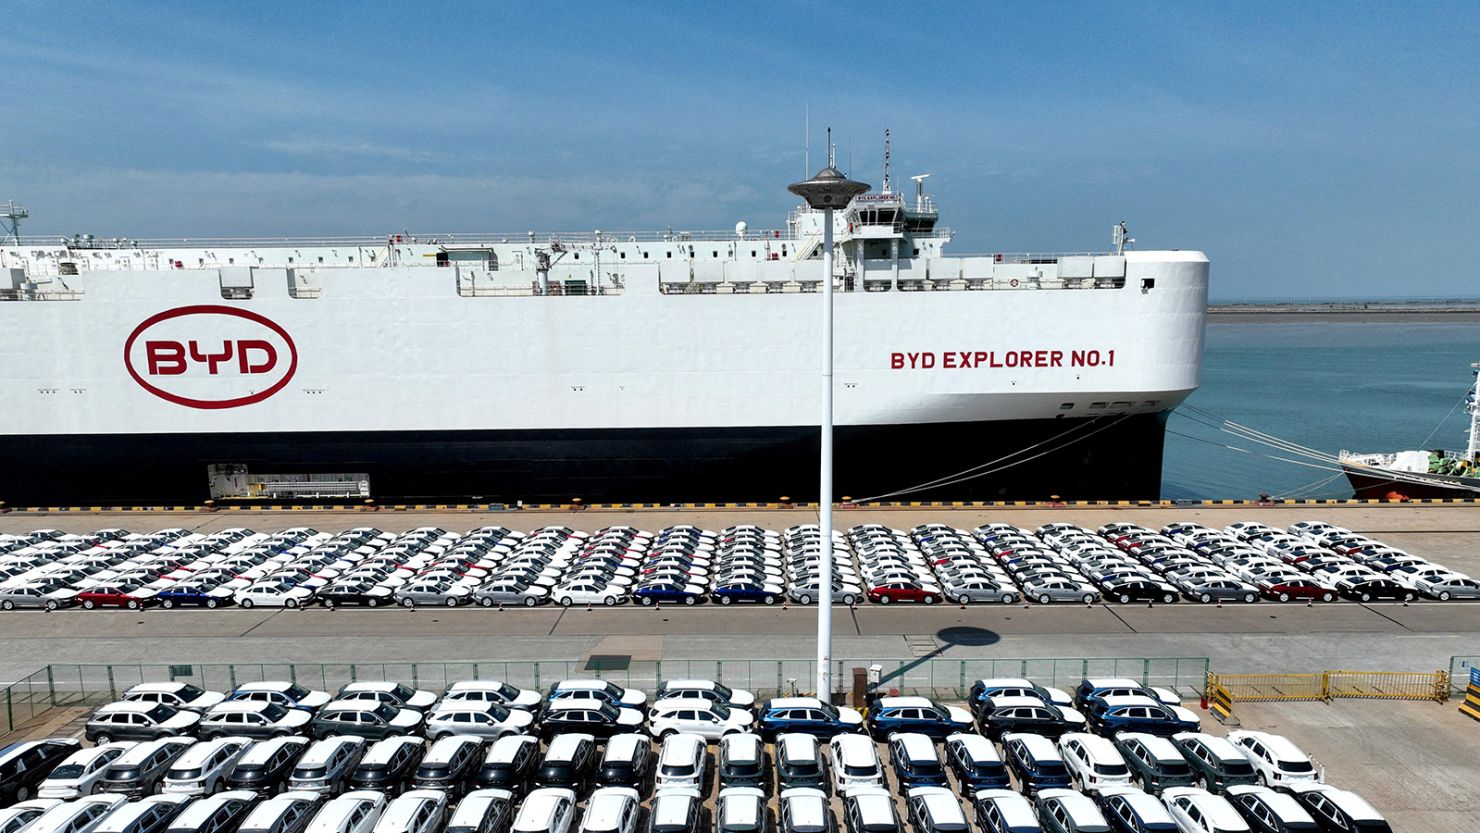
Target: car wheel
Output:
[(133, 604), (724, 600), (1443, 595), (849, 599), (1168, 599), (245, 603), (408, 603), (1202, 783), (611, 601), (167, 603), (1250, 598), (804, 599), (1263, 782), (372, 603), (530, 601), (1407, 597), (52, 604), (1205, 598), (963, 599), (1328, 596), (567, 601), (290, 603), (7, 605), (690, 600), (452, 602), (1088, 598), (1045, 599), (1284, 597), (329, 603), (103, 739), (89, 604), (1008, 598), (22, 793), (770, 600), (1366, 597), (1125, 598), (486, 602), (930, 600), (647, 601), (667, 733)]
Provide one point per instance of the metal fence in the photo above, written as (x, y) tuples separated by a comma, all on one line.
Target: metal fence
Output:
[(1332, 685), (68, 686)]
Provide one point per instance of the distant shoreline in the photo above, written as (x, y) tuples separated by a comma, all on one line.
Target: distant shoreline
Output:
[(1364, 310)]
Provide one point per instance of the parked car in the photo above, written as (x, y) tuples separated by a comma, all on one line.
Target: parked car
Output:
[(1268, 811), (265, 768), (80, 773), (1067, 811), (916, 714), (399, 695), (252, 720), (569, 762), (1338, 811), (627, 761), (1155, 762), (203, 768), (388, 764), (1216, 762), (486, 720), (934, 810), (138, 771), (286, 694), (1035, 762), (1195, 810), (1277, 761), (289, 812), (1001, 715), (375, 721), (219, 813), (448, 765), (591, 716), (1001, 810), (482, 811), (697, 716), (325, 767), (182, 696), (799, 762), (546, 810), (25, 765), (138, 721), (1129, 810), (509, 763), (808, 715)]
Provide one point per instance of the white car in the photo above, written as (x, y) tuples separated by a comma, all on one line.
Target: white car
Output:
[(707, 690), (589, 593), (489, 721), (1196, 810), (697, 717), (80, 772), (1093, 761), (855, 763), (612, 810), (353, 812), (1275, 758), (273, 593)]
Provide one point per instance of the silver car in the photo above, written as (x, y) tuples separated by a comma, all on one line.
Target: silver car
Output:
[(1049, 590), (1445, 588), (980, 590), (1219, 589), (40, 594), (433, 592), (511, 593)]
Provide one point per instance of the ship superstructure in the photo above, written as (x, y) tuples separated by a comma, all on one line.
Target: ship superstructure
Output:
[(607, 365)]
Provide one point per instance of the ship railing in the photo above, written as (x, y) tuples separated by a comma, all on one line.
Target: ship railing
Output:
[(403, 238), (556, 289), (40, 295), (1030, 257), (875, 283)]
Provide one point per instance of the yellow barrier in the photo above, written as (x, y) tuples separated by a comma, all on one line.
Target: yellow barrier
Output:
[(1331, 685), (1220, 702)]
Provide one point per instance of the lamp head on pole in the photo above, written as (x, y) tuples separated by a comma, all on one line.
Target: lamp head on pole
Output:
[(828, 189)]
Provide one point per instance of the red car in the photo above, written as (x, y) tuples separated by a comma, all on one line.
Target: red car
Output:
[(900, 591), (1298, 588), (113, 595)]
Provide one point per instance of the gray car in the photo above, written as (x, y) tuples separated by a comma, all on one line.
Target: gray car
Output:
[(980, 590), (1220, 590), (40, 594), (1060, 590), (433, 592), (511, 593)]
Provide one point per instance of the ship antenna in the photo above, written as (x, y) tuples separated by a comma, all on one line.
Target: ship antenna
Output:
[(10, 221), (806, 140), (886, 189), (832, 150)]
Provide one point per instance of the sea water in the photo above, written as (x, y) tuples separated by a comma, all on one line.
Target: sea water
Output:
[(1330, 382)]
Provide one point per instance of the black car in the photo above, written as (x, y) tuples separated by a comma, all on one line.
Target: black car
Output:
[(387, 766), (356, 594), (266, 766), (569, 762), (1134, 813), (799, 763), (509, 763), (1270, 812), (976, 763), (1138, 590), (366, 719), (1025, 714), (627, 762), (587, 716), (1339, 811), (1036, 763), (448, 765), (1376, 590), (25, 765), (742, 762)]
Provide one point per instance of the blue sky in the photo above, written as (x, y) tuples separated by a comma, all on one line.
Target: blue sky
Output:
[(1312, 149)]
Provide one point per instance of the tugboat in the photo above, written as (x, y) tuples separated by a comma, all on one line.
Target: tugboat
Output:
[(1410, 475)]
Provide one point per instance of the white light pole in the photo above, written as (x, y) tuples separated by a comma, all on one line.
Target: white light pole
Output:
[(827, 190)]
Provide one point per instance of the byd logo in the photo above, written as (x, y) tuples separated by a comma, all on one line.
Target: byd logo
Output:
[(210, 356)]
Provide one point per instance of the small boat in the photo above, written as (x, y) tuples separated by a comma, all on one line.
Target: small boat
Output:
[(1417, 474)]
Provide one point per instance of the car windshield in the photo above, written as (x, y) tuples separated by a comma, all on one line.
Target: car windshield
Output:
[(387, 712), (273, 712), (161, 713), (403, 692), (66, 771), (190, 692), (295, 691)]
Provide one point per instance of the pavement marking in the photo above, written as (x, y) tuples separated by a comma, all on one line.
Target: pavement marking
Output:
[(1116, 614), (261, 622), (1374, 609)]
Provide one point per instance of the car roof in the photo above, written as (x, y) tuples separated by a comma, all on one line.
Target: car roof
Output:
[(128, 706), (1129, 700), (895, 702), (1160, 748), (1015, 808), (1217, 809), (196, 755), (622, 747), (1014, 700), (322, 750), (794, 702), (915, 745), (382, 751), (1097, 746), (564, 746), (671, 807), (1040, 747), (681, 748), (158, 687), (1353, 805), (1280, 746), (795, 744)]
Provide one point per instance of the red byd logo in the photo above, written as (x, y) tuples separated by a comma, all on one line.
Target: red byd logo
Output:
[(210, 356)]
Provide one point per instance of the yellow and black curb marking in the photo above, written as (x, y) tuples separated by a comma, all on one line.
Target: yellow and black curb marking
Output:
[(773, 505)]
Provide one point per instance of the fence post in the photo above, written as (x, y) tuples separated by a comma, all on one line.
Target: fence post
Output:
[(112, 688), (536, 675), (1326, 686), (51, 687), (9, 710), (1146, 671)]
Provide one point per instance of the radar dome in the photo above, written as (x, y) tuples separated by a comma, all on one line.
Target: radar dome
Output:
[(740, 228)]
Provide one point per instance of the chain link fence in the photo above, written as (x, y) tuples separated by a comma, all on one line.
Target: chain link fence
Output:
[(66, 686)]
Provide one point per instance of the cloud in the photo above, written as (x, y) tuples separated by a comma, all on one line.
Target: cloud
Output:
[(308, 146)]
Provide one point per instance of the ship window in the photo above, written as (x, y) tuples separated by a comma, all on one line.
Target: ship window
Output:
[(752, 252), (321, 258), (1098, 406), (1067, 406), (714, 254), (917, 252), (644, 255), (578, 255), (670, 255), (230, 260), (1150, 403), (351, 258), (624, 255), (290, 260)]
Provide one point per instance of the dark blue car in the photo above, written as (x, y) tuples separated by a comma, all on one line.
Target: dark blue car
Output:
[(916, 714), (806, 715), (746, 592), (649, 594), (1108, 716), (194, 596)]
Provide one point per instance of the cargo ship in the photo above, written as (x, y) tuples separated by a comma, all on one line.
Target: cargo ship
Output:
[(605, 365), (1421, 474)]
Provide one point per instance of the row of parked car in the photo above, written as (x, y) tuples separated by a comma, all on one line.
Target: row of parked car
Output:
[(496, 566), (1016, 777)]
